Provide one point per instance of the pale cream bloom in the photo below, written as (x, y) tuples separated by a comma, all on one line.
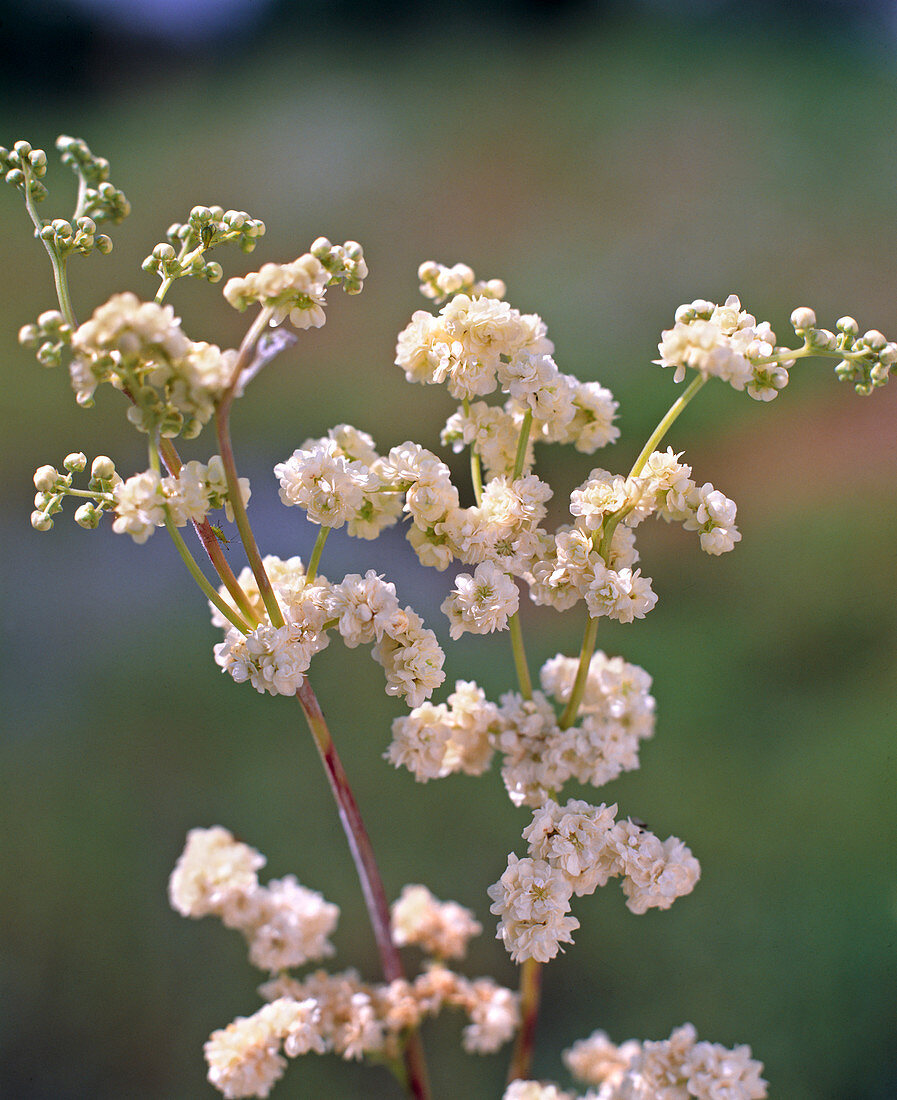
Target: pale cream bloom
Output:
[(438, 928), (482, 603), (212, 868)]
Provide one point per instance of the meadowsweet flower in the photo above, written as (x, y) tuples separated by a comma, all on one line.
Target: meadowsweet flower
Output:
[(713, 514), (420, 740), (574, 839), (532, 900), (212, 869), (273, 659), (285, 924), (244, 1058), (438, 928), (623, 595), (330, 487), (364, 607), (598, 1061), (494, 1016), (139, 506), (534, 1090), (727, 342), (655, 872), (482, 603), (295, 289), (410, 656), (494, 434)]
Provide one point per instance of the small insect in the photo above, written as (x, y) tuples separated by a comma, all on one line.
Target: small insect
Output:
[(219, 534), (639, 824)]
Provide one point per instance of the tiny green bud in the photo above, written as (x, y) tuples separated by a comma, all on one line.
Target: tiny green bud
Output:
[(213, 272), (40, 521), (87, 516), (320, 248), (103, 244), (22, 149), (15, 176), (847, 325), (75, 462), (102, 467), (45, 478)]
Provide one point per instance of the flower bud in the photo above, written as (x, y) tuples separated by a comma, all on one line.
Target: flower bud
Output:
[(847, 325), (87, 516), (75, 462), (40, 521), (102, 467), (874, 339), (45, 478), (803, 318)]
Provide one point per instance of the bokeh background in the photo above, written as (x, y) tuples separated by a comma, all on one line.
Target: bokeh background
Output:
[(609, 161)]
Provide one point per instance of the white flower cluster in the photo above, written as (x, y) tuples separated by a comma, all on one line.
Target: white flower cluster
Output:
[(364, 609), (341, 479), (678, 1068), (574, 849), (478, 343), (440, 928), (296, 290), (538, 755), (482, 603), (286, 926), (727, 342), (140, 347), (284, 923), (143, 502), (573, 569)]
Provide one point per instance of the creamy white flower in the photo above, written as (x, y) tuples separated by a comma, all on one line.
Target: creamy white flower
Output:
[(212, 868), (364, 607), (482, 603), (440, 928), (655, 873), (410, 656), (598, 1061), (623, 595), (532, 899), (420, 741), (139, 506), (713, 515), (574, 839), (295, 289), (330, 487)]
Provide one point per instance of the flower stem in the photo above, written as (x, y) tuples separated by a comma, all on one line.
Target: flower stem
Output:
[(197, 574), (210, 542), (368, 873), (222, 425), (591, 632), (530, 996), (312, 570), (523, 677), (522, 442)]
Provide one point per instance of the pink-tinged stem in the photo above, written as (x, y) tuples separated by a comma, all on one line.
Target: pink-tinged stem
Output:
[(525, 1044), (371, 884)]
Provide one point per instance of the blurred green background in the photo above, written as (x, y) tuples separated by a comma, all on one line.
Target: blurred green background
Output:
[(609, 162)]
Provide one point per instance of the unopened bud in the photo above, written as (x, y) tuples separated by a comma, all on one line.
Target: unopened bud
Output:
[(87, 517), (75, 462), (40, 521), (45, 478), (102, 467), (803, 318)]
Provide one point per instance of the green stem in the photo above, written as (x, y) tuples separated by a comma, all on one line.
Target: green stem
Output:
[(197, 574), (520, 663), (523, 440), (222, 425), (56, 261), (582, 674), (315, 560), (369, 875), (666, 422), (476, 470), (591, 632), (210, 542)]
